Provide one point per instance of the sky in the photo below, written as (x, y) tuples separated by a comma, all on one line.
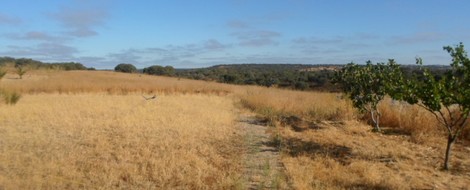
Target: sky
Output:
[(202, 33)]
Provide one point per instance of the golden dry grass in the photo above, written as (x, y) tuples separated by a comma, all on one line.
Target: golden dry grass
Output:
[(349, 156), (412, 120), (277, 104), (92, 130), (50, 81), (100, 141)]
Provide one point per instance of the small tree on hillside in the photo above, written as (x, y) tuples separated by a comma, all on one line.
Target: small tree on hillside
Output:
[(20, 70), (448, 98), (367, 85), (125, 68)]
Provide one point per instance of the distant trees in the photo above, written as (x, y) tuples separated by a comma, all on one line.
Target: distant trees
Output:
[(68, 66), (159, 70), (34, 64), (279, 75), (125, 68)]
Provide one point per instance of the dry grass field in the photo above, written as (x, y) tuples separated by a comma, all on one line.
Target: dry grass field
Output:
[(325, 147), (70, 82), (94, 130), (100, 141)]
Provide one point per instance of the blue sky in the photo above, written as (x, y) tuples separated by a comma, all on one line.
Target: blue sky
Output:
[(197, 33)]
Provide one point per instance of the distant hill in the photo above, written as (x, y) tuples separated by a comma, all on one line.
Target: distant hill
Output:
[(292, 76)]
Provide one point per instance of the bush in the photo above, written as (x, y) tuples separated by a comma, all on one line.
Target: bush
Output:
[(159, 70), (125, 68), (10, 98)]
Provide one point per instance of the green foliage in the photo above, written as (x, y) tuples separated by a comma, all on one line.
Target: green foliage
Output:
[(68, 66), (33, 64), (367, 85), (446, 96), (159, 70), (292, 76), (125, 68)]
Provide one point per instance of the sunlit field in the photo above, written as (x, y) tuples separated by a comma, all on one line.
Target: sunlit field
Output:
[(95, 130), (104, 81), (95, 141)]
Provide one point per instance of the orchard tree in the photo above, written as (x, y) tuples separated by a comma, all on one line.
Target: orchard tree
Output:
[(447, 98), (367, 85)]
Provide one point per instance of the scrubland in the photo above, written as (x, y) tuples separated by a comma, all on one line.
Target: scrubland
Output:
[(94, 130)]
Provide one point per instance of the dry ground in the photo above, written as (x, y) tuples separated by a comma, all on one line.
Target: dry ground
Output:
[(93, 130), (347, 155), (100, 141), (262, 165)]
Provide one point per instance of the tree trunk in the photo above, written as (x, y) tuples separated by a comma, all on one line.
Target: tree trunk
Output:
[(375, 120), (450, 141)]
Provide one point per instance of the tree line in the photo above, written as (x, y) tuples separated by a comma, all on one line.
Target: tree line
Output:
[(26, 63), (290, 76)]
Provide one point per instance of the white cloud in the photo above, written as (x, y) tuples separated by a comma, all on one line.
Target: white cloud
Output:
[(5, 19), (81, 22), (213, 44), (42, 51), (257, 38), (35, 35), (238, 24), (421, 37)]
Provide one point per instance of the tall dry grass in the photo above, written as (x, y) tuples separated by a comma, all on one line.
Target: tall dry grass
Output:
[(421, 125), (92, 129), (50, 81), (277, 104), (101, 141), (349, 156)]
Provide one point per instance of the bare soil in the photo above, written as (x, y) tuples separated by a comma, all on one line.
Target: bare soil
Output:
[(262, 166)]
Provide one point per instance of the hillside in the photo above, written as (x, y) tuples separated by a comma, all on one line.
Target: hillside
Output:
[(95, 130)]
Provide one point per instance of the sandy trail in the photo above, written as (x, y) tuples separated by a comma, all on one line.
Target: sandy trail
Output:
[(262, 163)]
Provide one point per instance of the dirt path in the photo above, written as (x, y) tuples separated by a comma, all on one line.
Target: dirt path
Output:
[(262, 165)]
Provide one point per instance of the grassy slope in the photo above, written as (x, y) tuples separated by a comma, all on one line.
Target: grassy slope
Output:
[(322, 145)]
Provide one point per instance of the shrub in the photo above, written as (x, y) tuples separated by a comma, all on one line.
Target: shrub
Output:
[(125, 68), (159, 70)]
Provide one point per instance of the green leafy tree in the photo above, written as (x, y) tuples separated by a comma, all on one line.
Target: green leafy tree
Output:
[(159, 70), (447, 98), (125, 68), (367, 85)]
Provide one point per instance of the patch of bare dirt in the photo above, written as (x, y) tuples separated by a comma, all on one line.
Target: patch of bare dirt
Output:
[(262, 166)]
